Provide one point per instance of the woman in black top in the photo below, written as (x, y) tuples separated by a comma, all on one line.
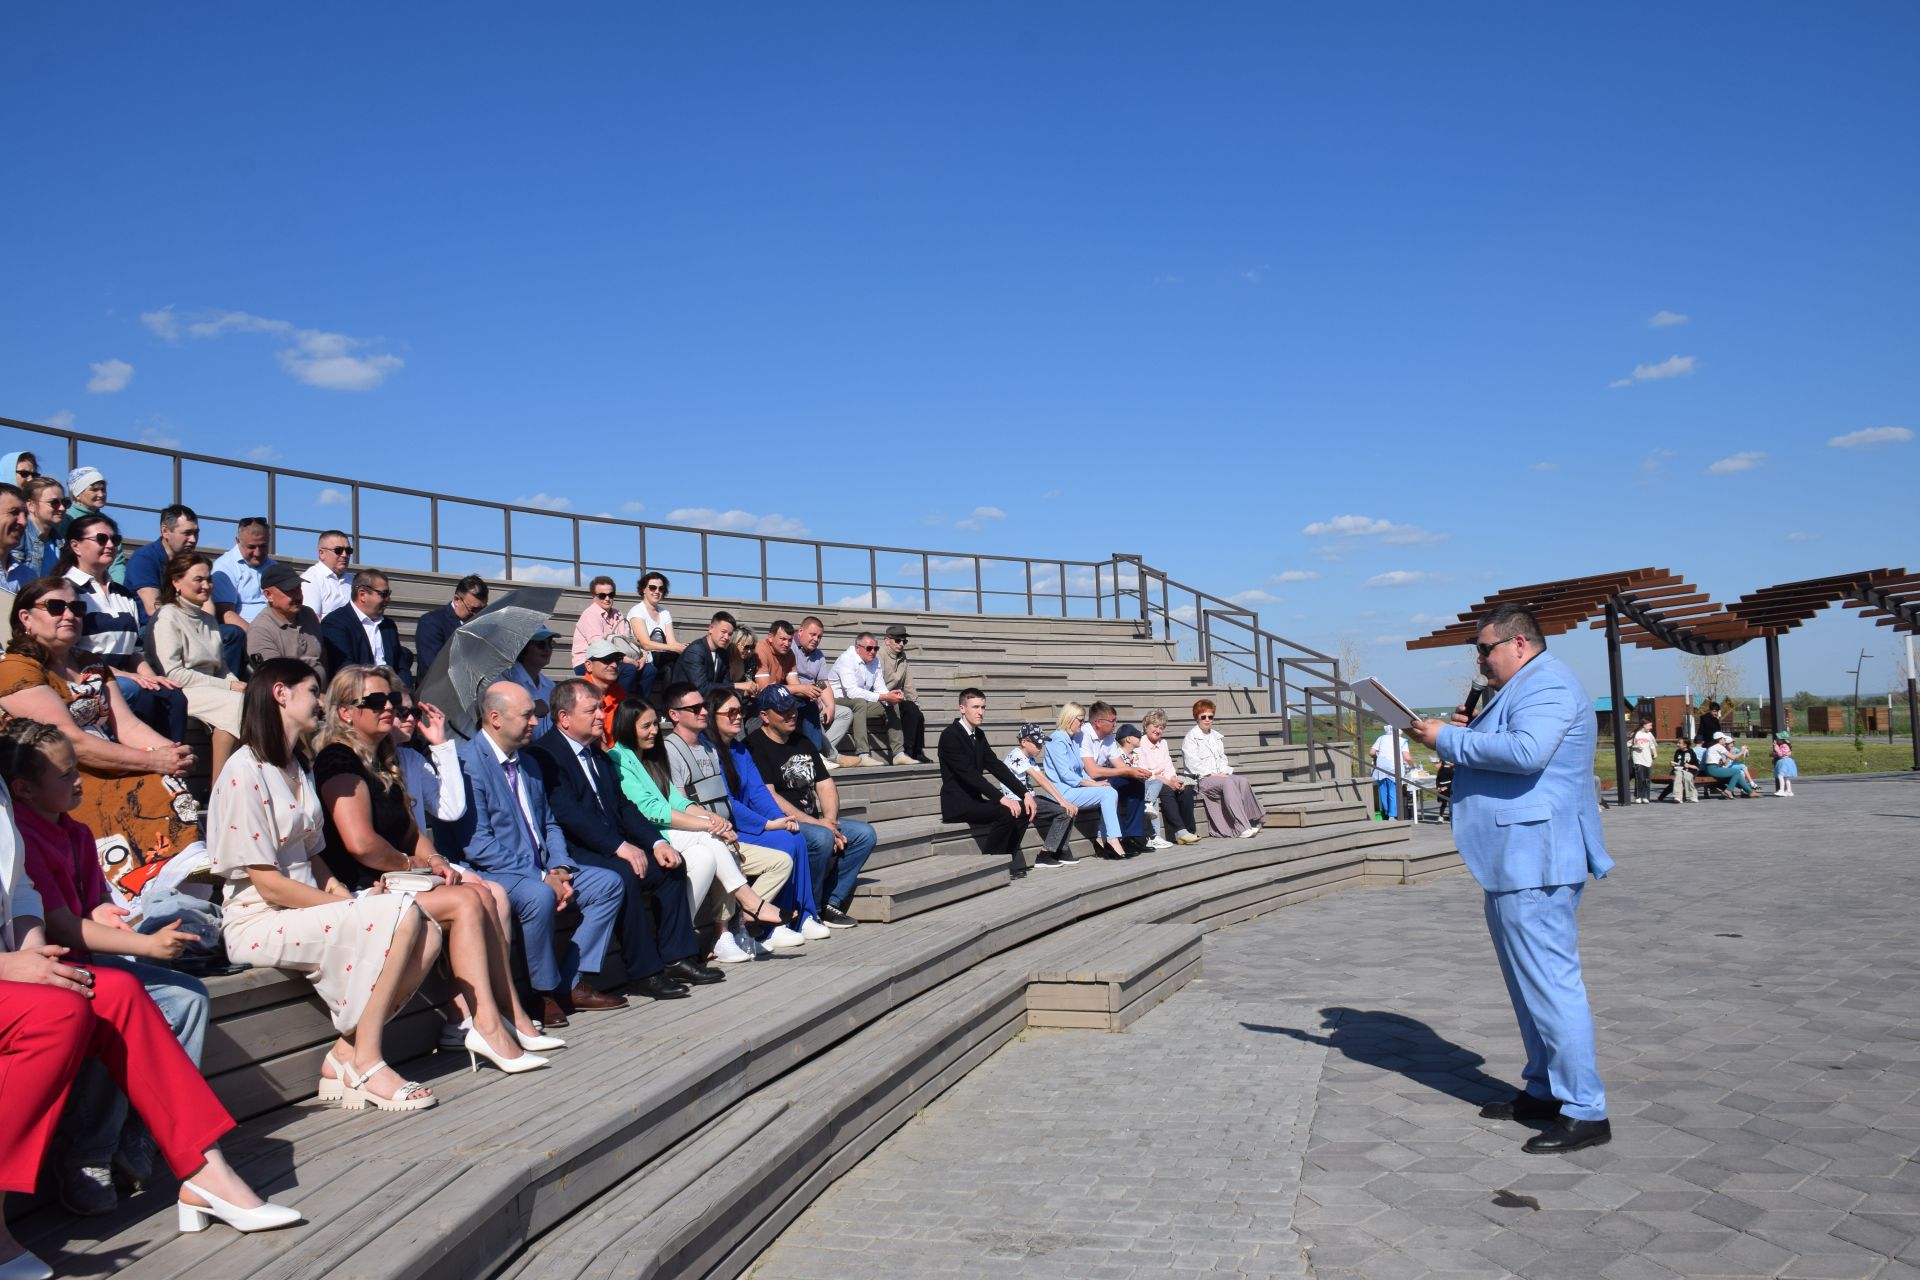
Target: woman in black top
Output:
[(1709, 725), (370, 831)]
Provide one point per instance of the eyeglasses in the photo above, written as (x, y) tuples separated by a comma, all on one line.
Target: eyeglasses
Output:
[(381, 701), (655, 587), (58, 502), (733, 714), (384, 595), (1204, 715), (692, 708), (603, 595), (866, 648), (336, 551), (1484, 649), (56, 607), (104, 539)]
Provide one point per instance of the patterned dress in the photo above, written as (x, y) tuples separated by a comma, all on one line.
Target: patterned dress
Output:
[(139, 819), (261, 817)]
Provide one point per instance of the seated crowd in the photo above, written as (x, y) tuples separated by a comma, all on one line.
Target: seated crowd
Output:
[(617, 833)]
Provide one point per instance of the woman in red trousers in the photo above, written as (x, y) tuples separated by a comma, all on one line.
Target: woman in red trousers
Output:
[(52, 1015)]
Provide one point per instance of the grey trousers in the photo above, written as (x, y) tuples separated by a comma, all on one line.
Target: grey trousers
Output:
[(1056, 828)]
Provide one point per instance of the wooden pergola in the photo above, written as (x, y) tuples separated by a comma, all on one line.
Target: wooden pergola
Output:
[(1657, 609)]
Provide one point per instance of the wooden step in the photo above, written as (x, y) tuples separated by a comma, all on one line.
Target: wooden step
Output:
[(1316, 813), (909, 888), (1106, 985)]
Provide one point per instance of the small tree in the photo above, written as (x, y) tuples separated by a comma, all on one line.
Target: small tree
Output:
[(1717, 676)]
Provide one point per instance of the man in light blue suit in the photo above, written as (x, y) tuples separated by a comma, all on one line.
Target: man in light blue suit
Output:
[(1528, 828), (509, 835)]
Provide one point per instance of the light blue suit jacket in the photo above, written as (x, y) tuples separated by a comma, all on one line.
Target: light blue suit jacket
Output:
[(1524, 815), (492, 835)]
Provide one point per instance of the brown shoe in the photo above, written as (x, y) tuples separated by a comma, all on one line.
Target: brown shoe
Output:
[(551, 1014), (584, 998)]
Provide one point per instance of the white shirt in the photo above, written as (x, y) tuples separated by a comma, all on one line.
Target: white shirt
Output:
[(852, 678), (323, 590), (520, 786), (429, 792), (1204, 752), (375, 641), (643, 625), (1096, 748), (1383, 757)]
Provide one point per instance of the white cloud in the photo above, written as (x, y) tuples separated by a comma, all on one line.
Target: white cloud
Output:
[(62, 420), (109, 376), (330, 361), (159, 439), (1397, 578), (633, 508), (1254, 597), (979, 515), (1737, 462), (1546, 466), (545, 501), (1868, 436), (1671, 367), (1431, 620), (1801, 535), (542, 573), (1652, 467), (1254, 275), (1182, 613), (1051, 493), (737, 521), (163, 323), (263, 453), (947, 564), (331, 497), (865, 600), (1664, 319), (1386, 531), (1294, 575)]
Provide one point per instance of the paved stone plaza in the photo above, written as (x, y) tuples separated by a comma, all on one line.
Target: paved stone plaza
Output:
[(1309, 1107)]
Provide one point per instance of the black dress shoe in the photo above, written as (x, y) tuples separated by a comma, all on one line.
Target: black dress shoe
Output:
[(693, 973), (1522, 1106), (661, 987), (1568, 1135)]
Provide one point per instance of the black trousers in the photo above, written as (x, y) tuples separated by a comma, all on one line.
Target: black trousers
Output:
[(1177, 806), (656, 919), (906, 717), (1642, 780), (1005, 831)]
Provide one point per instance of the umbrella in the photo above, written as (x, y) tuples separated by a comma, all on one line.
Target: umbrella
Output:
[(476, 654)]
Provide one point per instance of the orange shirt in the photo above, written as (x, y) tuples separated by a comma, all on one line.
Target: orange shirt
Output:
[(775, 666), (610, 700)]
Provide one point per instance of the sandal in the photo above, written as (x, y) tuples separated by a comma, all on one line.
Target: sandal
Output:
[(332, 1087), (410, 1096), (787, 916)]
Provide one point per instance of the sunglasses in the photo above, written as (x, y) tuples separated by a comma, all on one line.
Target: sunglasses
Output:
[(733, 714), (336, 551), (56, 608), (866, 648), (382, 702), (26, 473), (692, 709), (58, 502), (104, 539), (603, 595), (384, 595), (1204, 716), (1484, 649), (404, 711)]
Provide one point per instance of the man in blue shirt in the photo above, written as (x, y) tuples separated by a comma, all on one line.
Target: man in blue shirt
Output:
[(179, 531), (236, 574)]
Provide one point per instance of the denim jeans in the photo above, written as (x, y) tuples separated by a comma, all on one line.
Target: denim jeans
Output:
[(834, 875), (96, 1113), (162, 710)]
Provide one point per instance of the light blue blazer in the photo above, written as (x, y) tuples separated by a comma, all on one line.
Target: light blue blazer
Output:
[(492, 836), (1524, 815)]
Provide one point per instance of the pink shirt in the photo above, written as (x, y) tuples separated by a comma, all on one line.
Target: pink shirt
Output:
[(597, 623), (64, 864), (1156, 759)]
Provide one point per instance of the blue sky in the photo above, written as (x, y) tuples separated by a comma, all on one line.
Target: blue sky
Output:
[(1511, 293)]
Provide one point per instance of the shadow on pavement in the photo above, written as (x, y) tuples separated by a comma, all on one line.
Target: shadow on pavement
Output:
[(1395, 1042)]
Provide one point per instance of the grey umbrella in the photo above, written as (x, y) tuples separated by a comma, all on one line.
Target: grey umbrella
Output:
[(476, 655)]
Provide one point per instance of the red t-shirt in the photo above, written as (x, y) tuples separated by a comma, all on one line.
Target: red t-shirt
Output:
[(64, 864)]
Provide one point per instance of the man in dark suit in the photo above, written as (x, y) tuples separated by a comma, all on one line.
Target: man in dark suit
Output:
[(436, 626), (604, 829), (703, 664), (347, 635), (977, 788), (510, 835)]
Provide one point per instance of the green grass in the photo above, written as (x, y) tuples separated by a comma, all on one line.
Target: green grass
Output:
[(1815, 756)]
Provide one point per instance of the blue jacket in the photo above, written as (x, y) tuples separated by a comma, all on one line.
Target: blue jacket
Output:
[(431, 633), (492, 835), (1524, 815), (1062, 762), (343, 643), (753, 803)]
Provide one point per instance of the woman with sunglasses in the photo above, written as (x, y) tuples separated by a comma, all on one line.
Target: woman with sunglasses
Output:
[(370, 831), (704, 840), (760, 819), (112, 628), (652, 627), (1232, 808), (364, 956), (134, 802), (186, 644), (429, 764), (1061, 761), (41, 541)]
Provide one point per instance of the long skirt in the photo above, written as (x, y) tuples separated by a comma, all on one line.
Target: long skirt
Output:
[(1231, 805)]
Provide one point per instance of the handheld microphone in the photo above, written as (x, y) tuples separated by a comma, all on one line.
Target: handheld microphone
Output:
[(1478, 691)]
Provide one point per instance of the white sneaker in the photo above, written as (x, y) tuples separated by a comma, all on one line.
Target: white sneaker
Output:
[(783, 939), (1158, 843), (904, 758), (831, 763), (729, 951), (813, 931), (1250, 833)]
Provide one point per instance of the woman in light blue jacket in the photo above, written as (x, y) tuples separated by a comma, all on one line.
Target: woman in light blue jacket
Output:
[(1064, 770)]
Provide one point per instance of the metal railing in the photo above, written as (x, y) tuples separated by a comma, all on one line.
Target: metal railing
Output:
[(392, 524)]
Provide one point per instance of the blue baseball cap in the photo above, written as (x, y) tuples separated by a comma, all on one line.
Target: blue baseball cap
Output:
[(1031, 732), (778, 699)]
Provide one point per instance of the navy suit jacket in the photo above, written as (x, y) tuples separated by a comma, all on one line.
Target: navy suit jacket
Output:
[(431, 633), (702, 668), (1523, 809), (343, 643), (493, 835), (590, 824)]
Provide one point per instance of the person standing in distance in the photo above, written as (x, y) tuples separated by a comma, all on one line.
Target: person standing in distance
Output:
[(1528, 829)]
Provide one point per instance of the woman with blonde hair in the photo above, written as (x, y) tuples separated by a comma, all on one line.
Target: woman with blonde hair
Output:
[(1232, 808), (1062, 764), (370, 832)]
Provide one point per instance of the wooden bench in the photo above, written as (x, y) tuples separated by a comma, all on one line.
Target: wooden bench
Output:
[(1107, 985)]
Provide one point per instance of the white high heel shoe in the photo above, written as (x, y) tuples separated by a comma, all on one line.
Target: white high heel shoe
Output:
[(268, 1216), (538, 1042), (478, 1048)]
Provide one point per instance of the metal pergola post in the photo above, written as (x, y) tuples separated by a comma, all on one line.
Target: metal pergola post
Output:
[(1617, 686)]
